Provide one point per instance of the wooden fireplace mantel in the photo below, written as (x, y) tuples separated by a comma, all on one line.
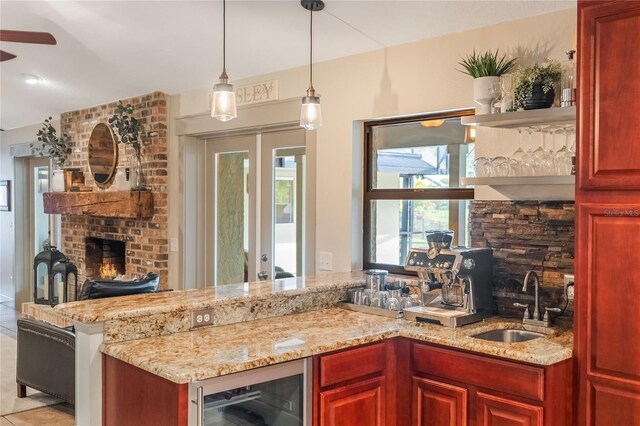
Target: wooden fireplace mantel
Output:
[(118, 204)]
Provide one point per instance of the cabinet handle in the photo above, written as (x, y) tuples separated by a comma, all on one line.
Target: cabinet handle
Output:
[(200, 406)]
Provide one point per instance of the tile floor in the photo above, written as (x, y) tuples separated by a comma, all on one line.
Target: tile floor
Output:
[(8, 317), (58, 414)]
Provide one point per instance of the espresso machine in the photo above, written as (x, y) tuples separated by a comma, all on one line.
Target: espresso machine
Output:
[(456, 283)]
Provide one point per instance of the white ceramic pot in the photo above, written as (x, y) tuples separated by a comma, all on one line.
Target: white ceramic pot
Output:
[(482, 94), (57, 181)]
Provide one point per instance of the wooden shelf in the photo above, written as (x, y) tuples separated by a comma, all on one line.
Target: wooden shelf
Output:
[(533, 117), (117, 204), (520, 180)]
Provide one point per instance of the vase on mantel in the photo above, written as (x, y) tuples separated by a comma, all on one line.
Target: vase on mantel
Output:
[(138, 181), (57, 180)]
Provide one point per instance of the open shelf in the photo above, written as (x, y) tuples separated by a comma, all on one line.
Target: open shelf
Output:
[(520, 180), (117, 204), (532, 117)]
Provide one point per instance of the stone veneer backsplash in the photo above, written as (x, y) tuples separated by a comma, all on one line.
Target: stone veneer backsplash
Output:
[(526, 235), (146, 240)]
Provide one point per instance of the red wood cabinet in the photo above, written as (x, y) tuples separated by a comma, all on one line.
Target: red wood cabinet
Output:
[(361, 403), (438, 404), (356, 386), (126, 387), (608, 87), (607, 310), (453, 387), (495, 411)]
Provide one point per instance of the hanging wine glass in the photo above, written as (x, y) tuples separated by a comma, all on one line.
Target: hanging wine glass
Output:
[(563, 155), (518, 154)]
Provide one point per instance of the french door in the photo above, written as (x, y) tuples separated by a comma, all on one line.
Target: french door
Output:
[(256, 213)]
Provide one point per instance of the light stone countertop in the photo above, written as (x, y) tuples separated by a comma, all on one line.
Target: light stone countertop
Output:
[(216, 351), (100, 310)]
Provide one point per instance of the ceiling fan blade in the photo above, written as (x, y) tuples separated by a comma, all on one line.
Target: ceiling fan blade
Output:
[(5, 56), (27, 37)]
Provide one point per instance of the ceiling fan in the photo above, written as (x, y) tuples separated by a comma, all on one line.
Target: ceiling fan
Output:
[(23, 37)]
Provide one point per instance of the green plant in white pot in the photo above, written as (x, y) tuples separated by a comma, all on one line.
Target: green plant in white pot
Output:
[(486, 70), (535, 85)]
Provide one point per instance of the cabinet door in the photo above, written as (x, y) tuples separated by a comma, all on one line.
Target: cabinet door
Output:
[(438, 404), (496, 411), (361, 404), (608, 101), (607, 314)]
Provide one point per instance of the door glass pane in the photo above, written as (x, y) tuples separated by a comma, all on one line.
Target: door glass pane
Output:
[(288, 235), (40, 218), (398, 225), (232, 217)]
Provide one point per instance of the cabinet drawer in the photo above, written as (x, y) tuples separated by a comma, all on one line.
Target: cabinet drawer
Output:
[(352, 364), (503, 376)]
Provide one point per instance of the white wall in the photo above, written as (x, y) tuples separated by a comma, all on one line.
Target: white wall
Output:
[(9, 138), (413, 78)]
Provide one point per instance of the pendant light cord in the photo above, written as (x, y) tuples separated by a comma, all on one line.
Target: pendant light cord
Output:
[(311, 48), (224, 36)]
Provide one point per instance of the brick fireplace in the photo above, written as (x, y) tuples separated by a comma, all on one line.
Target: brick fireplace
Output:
[(140, 245)]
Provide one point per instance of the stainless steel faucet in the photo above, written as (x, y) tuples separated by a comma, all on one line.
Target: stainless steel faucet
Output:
[(535, 317), (536, 287)]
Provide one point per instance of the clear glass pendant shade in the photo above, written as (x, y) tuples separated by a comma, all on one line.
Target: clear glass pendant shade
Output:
[(311, 113), (223, 107)]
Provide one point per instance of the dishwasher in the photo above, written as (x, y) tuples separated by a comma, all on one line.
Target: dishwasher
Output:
[(279, 395)]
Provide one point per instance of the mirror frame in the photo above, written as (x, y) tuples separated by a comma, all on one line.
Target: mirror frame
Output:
[(114, 165)]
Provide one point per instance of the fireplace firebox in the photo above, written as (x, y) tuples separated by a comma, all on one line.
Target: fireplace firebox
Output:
[(104, 258)]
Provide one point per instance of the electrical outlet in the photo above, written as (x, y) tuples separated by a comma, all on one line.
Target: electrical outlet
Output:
[(569, 286), (173, 244), (201, 317), (326, 261), (570, 291)]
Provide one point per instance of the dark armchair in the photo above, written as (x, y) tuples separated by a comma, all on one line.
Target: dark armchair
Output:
[(46, 359), (46, 353)]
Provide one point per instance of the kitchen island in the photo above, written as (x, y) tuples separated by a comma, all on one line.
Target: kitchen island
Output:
[(273, 323)]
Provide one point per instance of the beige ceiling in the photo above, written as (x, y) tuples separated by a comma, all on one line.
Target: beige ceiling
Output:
[(114, 49)]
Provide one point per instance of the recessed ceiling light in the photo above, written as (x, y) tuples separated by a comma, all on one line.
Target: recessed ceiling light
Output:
[(32, 79)]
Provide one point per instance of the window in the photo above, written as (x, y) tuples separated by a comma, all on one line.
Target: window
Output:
[(412, 175)]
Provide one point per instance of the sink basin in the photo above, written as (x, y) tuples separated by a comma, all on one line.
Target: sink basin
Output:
[(508, 336)]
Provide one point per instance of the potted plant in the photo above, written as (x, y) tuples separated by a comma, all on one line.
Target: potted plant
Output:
[(128, 129), (54, 147), (486, 70), (535, 85)]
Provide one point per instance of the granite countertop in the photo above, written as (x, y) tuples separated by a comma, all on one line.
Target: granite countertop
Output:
[(99, 310), (215, 351)]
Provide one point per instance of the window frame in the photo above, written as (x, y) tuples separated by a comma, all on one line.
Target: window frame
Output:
[(370, 194)]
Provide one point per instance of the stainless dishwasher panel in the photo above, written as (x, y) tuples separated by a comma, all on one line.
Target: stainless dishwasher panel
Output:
[(280, 393)]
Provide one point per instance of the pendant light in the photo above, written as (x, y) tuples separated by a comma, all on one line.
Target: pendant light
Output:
[(311, 114), (223, 107)]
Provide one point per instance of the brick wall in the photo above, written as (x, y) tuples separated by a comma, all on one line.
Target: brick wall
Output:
[(147, 247), (525, 235)]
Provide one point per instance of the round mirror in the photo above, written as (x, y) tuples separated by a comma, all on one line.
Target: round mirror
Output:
[(103, 155)]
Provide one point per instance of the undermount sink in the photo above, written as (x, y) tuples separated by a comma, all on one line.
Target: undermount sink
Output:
[(508, 336)]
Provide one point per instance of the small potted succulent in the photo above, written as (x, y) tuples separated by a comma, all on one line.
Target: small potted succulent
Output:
[(535, 85), (128, 129), (486, 70), (54, 147)]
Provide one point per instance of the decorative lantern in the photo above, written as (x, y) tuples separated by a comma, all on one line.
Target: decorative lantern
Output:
[(43, 285), (64, 274)]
